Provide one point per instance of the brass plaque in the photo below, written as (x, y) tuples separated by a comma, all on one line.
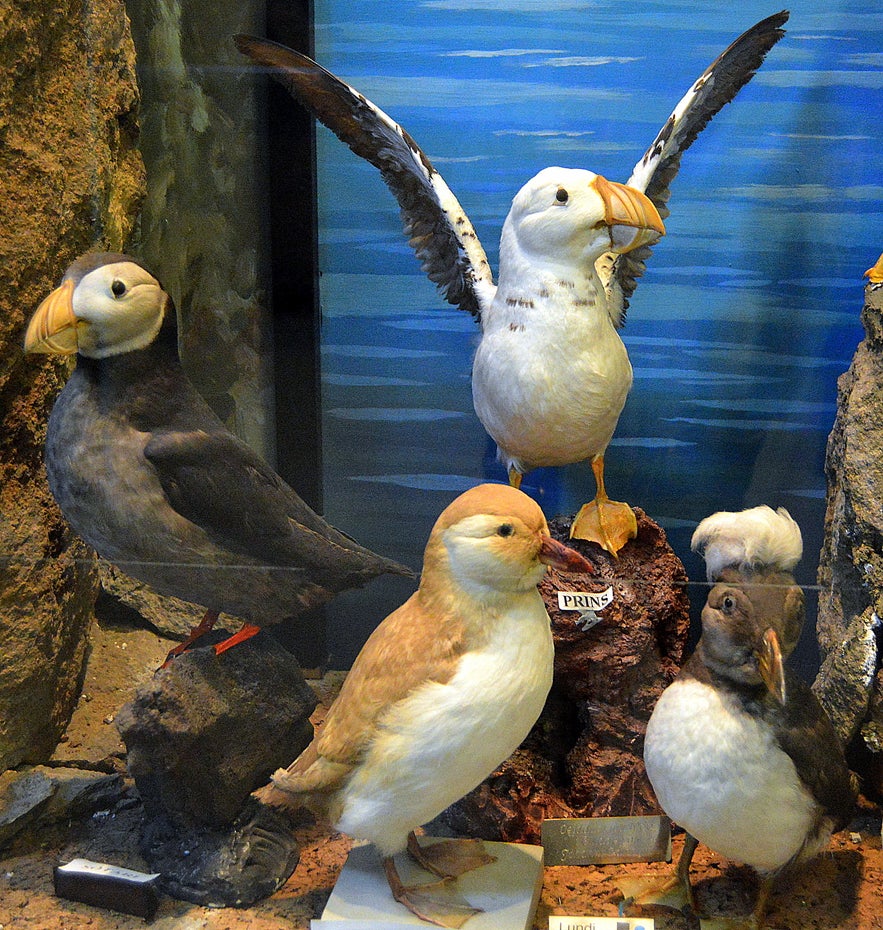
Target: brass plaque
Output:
[(607, 840)]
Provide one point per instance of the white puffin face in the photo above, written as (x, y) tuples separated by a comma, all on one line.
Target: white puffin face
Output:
[(569, 214), (500, 553), (119, 308)]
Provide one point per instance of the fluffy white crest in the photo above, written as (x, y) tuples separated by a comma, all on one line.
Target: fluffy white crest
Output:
[(748, 540)]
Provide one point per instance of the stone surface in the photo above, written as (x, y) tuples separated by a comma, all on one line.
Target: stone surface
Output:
[(851, 563), (39, 796), (583, 757), (70, 177), (201, 736), (207, 730), (22, 797)]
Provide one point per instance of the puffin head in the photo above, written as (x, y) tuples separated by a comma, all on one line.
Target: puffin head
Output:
[(575, 215), (495, 539), (107, 304), (737, 644)]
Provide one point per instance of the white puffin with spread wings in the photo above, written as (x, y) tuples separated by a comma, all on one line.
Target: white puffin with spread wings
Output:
[(550, 375)]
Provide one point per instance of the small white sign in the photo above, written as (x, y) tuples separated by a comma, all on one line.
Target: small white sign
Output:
[(588, 603), (600, 923), (88, 867)]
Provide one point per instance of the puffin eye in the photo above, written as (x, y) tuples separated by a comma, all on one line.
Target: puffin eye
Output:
[(118, 288), (505, 529), (562, 195)]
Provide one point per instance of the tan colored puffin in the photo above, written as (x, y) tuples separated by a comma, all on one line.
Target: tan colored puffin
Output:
[(443, 691), (550, 375)]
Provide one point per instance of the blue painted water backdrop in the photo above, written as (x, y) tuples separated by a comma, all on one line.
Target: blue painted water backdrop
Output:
[(748, 312)]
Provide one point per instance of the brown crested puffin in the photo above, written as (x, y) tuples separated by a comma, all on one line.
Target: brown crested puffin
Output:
[(550, 375), (443, 691), (738, 750), (146, 473)]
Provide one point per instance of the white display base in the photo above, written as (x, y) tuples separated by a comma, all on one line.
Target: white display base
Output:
[(507, 890)]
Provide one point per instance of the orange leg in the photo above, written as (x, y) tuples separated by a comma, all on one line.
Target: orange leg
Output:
[(437, 902), (609, 523), (246, 631), (206, 625)]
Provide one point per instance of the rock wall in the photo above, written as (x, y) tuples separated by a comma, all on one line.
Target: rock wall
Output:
[(71, 177), (850, 629)]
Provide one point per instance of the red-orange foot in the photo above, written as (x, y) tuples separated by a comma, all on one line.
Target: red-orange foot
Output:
[(437, 902), (246, 631), (206, 625)]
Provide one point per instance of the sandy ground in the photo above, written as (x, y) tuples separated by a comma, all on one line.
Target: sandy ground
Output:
[(841, 890)]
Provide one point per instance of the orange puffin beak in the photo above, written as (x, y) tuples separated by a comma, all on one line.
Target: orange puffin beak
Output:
[(563, 557), (627, 206), (772, 670), (53, 327)]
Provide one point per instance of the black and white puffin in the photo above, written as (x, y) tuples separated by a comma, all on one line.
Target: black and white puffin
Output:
[(550, 375), (146, 473), (738, 750)]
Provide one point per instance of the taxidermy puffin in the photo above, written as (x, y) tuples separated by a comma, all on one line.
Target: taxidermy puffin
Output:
[(550, 375), (443, 691), (738, 750), (758, 549), (149, 477)]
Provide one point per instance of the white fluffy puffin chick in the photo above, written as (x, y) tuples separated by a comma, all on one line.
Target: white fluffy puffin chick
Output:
[(757, 549), (444, 690)]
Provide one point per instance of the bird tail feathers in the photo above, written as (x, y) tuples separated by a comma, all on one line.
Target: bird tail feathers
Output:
[(749, 540)]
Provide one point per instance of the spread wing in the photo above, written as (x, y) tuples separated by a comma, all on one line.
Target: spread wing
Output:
[(715, 87), (437, 228)]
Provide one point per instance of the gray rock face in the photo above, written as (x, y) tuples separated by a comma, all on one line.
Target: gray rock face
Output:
[(202, 229), (201, 736), (207, 730), (850, 631), (70, 177), (38, 796)]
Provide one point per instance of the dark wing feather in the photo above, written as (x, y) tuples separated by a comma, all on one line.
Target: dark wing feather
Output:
[(805, 733), (437, 228), (217, 482), (715, 87)]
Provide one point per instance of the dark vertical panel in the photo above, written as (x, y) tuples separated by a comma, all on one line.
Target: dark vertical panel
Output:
[(293, 231), (291, 142)]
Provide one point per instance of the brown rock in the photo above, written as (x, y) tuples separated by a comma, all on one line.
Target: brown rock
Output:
[(851, 563), (207, 730), (203, 734), (70, 177), (583, 757)]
